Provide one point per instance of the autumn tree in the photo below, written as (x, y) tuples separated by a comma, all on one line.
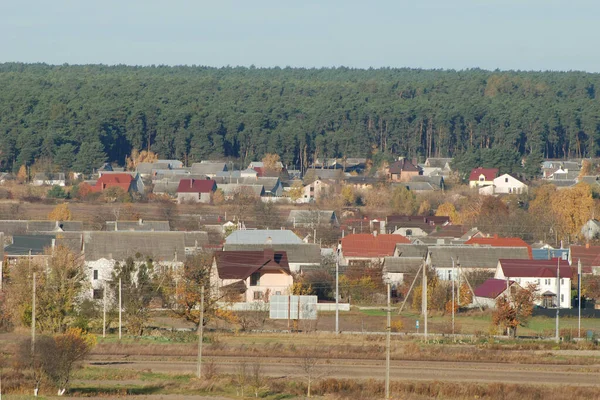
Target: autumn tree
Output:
[(138, 157), (22, 174), (403, 201), (586, 169), (138, 291), (573, 208), (348, 195), (424, 208), (181, 289), (60, 213), (59, 285), (296, 191), (81, 191), (448, 210), (514, 311), (218, 197), (272, 162)]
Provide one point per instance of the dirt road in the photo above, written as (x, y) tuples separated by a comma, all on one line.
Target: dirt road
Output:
[(401, 370)]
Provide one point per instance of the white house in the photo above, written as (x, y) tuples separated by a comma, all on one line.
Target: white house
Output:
[(41, 179), (542, 273), (314, 190), (505, 184)]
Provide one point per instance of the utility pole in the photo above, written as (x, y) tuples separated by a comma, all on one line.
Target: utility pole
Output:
[(33, 319), (120, 309), (104, 311), (557, 299), (337, 290), (453, 274), (200, 334), (388, 342), (579, 296), (424, 299)]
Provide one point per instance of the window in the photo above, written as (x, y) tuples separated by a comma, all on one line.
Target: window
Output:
[(562, 298), (278, 293), (481, 178), (258, 295), (408, 232), (562, 281), (546, 281), (449, 275), (255, 279), (95, 274), (98, 294), (506, 180), (538, 282)]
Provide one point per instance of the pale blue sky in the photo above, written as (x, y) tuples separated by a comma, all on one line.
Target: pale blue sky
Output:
[(490, 34)]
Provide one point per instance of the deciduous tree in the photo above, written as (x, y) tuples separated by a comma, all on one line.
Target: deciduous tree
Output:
[(514, 311), (60, 213)]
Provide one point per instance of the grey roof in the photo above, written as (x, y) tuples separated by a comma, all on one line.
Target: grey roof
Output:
[(436, 181), (260, 236), (233, 188), (158, 174), (571, 165), (195, 238), (12, 227), (563, 182), (160, 246), (269, 183), (22, 244), (474, 256), (311, 216), (208, 168), (411, 250), (402, 264), (418, 186), (572, 174), (297, 253), (165, 186), (437, 162), (148, 167), (139, 225), (174, 164), (314, 174), (591, 180), (432, 240)]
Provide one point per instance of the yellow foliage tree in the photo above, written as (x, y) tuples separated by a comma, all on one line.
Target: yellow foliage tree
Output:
[(586, 169), (60, 213), (22, 174), (296, 191), (271, 162), (138, 157), (424, 208), (573, 207), (348, 195), (448, 210)]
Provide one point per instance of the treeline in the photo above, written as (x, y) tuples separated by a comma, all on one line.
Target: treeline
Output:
[(79, 116)]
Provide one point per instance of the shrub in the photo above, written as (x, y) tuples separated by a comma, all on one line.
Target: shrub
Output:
[(57, 192)]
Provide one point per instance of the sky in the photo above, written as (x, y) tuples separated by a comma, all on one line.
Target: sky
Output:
[(449, 34)]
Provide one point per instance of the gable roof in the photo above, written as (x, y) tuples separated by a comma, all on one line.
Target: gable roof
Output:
[(367, 245), (512, 268), (437, 162), (108, 180), (139, 225), (260, 236), (403, 165), (296, 253), (196, 186), (402, 264), (451, 231), (22, 244), (473, 256), (242, 264), (589, 256), (492, 288), (12, 227), (208, 167), (488, 173), (160, 246), (310, 216), (500, 242)]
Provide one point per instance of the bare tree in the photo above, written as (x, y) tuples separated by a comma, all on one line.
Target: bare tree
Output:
[(309, 366), (241, 377), (257, 379)]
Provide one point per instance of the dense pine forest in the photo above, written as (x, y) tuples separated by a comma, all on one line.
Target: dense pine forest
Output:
[(79, 116)]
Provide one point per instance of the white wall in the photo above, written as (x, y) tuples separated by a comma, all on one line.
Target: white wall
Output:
[(544, 285)]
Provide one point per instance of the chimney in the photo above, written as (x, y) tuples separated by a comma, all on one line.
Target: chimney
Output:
[(53, 243), (268, 252), (140, 222), (191, 183), (374, 233)]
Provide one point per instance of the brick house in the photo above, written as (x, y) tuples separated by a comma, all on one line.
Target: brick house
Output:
[(402, 171), (195, 190)]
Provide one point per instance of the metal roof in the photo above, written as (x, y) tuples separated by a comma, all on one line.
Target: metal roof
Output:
[(260, 236)]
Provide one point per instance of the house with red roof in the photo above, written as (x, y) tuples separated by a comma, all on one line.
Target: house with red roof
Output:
[(488, 293), (365, 249), (195, 190), (589, 256), (482, 177), (496, 241), (125, 181), (250, 275), (543, 273), (402, 171)]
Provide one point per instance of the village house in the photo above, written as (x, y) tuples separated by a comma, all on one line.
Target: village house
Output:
[(195, 190), (312, 218), (301, 256), (588, 255), (504, 184), (230, 190), (138, 226), (209, 169), (542, 273), (482, 177), (315, 189), (487, 294), (402, 171), (128, 182), (249, 276), (496, 241), (414, 225), (262, 236), (365, 249)]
